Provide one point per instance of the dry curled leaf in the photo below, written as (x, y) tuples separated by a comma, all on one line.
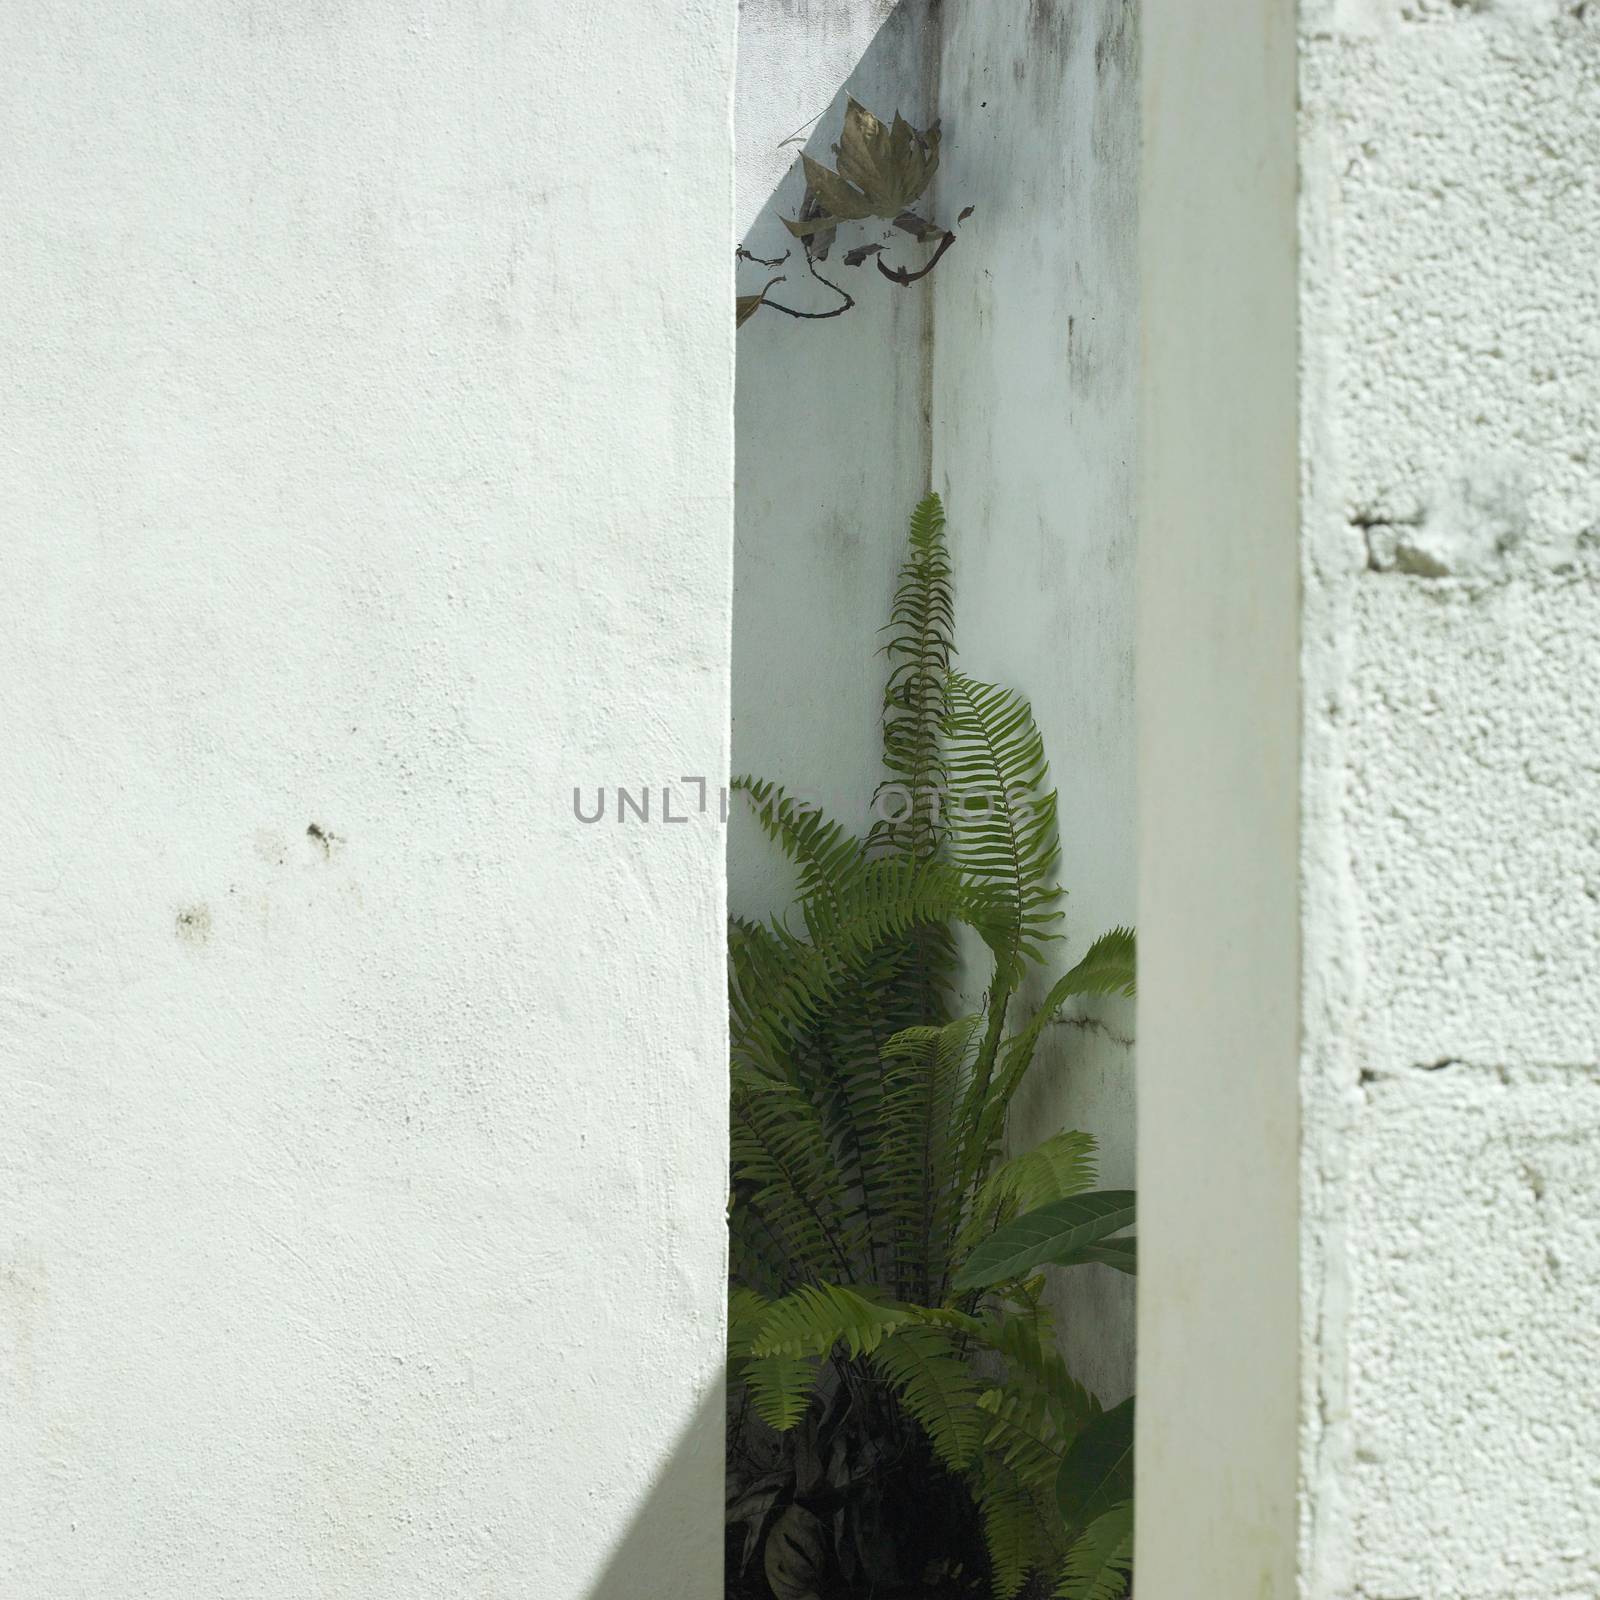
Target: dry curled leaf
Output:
[(880, 171), (745, 306), (919, 228), (854, 258)]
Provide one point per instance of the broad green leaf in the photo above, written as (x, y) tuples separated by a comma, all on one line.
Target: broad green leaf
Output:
[(1099, 1563), (1122, 1254), (1047, 1236), (1097, 1472)]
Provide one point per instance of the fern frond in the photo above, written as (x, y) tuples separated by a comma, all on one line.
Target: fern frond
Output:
[(747, 1310), (1063, 1165), (784, 1171), (1100, 1563), (925, 1072), (922, 640), (1011, 1532), (1003, 836), (1003, 824), (922, 1365), (780, 1388), (1108, 967), (827, 857), (782, 985), (1022, 1434), (1027, 1344), (812, 1320)]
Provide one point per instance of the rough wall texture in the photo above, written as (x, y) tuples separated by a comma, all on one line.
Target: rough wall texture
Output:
[(1450, 229), (1035, 356), (361, 1171)]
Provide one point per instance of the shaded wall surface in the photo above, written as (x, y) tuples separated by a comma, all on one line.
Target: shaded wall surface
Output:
[(1005, 381)]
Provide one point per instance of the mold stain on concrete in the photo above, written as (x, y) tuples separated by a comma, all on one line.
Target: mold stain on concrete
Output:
[(193, 924), (324, 837)]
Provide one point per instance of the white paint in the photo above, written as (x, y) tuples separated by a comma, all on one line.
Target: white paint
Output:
[(1218, 718), (1451, 402), (360, 1198), (1035, 367)]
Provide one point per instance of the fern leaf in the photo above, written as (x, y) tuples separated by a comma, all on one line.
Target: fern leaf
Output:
[(812, 1320), (785, 1173), (925, 1071), (780, 1388), (1023, 1434), (1099, 1565), (1063, 1165), (1107, 968), (921, 1364), (1003, 826), (1027, 1345), (922, 640), (1010, 1530), (826, 855), (747, 1310)]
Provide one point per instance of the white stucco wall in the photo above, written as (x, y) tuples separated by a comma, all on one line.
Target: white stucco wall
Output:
[(1035, 353), (365, 484), (1451, 405)]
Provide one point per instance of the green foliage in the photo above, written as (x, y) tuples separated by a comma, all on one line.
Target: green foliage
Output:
[(1097, 1472), (1056, 1234), (1100, 1563), (901, 1421)]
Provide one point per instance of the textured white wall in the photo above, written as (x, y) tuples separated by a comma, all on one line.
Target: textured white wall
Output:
[(1035, 354), (365, 470), (1451, 406)]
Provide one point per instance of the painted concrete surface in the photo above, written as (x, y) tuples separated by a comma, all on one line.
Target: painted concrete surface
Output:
[(1219, 803), (1451, 400), (361, 1174), (1034, 381)]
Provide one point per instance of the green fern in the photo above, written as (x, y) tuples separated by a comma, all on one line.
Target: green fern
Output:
[(867, 1130), (1100, 1563), (1003, 828), (812, 1320), (915, 698)]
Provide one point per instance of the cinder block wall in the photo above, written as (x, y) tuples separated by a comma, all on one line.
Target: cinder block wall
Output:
[(1450, 310)]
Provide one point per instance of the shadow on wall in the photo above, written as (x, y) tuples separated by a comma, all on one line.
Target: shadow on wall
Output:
[(832, 448), (673, 1548), (831, 429)]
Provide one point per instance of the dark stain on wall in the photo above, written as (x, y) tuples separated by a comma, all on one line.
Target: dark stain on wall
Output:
[(1118, 39), (1053, 27)]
